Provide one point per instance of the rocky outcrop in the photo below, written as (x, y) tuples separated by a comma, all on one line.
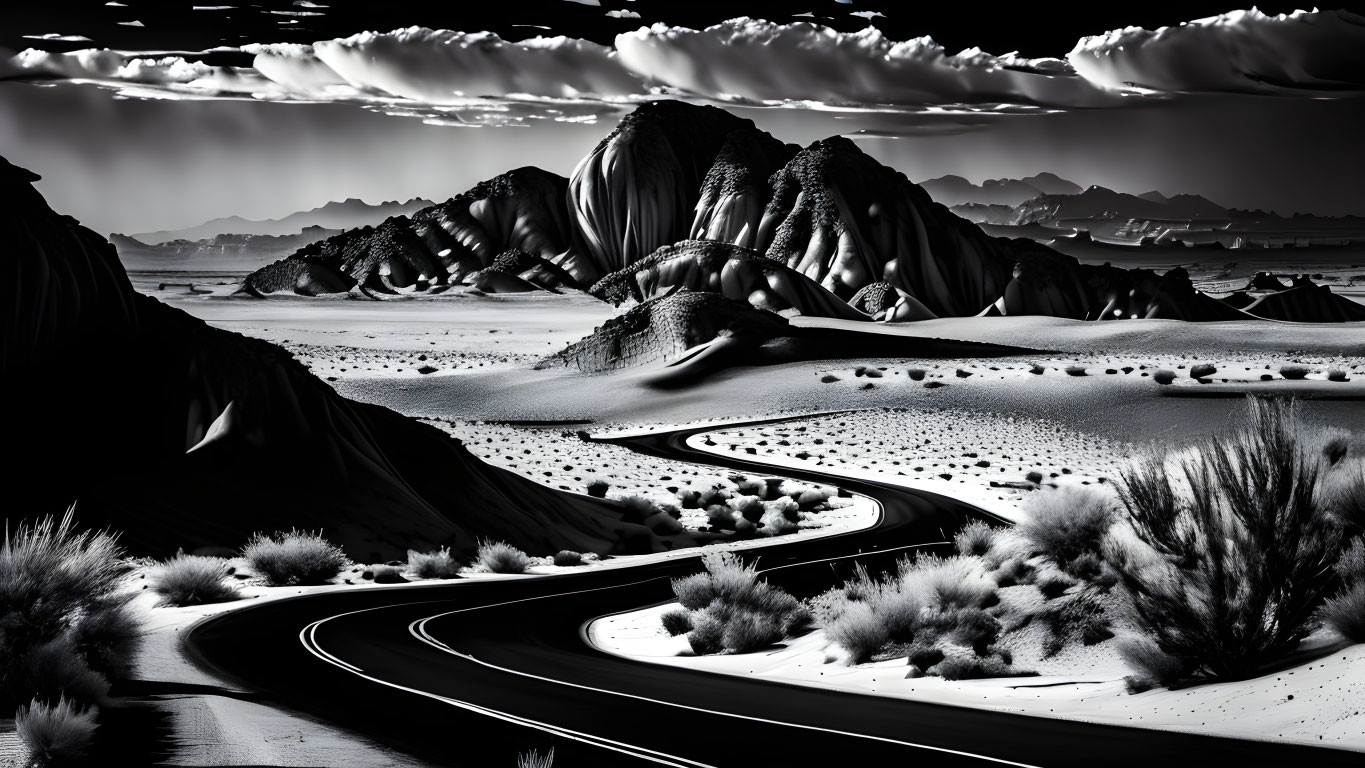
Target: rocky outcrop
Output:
[(184, 435), (662, 329), (735, 272), (638, 188), (438, 246), (1306, 303), (735, 191), (519, 272)]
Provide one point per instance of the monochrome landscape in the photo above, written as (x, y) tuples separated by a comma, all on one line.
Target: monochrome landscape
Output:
[(588, 384)]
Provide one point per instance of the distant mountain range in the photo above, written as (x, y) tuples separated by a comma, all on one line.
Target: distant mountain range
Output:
[(1101, 203), (954, 190), (336, 215), (231, 252)]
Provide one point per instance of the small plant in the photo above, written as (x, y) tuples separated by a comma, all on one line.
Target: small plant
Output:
[(566, 558), (533, 759), (1066, 523), (859, 630), (57, 734), (1075, 370), (748, 507), (732, 610), (1295, 372), (598, 488), (676, 622), (433, 565), (916, 374), (811, 498), (1346, 613), (387, 574), (975, 538), (1336, 374), (500, 557), (192, 580), (1152, 667), (777, 524), (1163, 376), (295, 558)]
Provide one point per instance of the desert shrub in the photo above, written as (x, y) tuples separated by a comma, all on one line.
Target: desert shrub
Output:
[(777, 524), (500, 557), (567, 557), (1075, 370), (1202, 371), (1344, 497), (1034, 477), (638, 508), (1294, 372), (192, 580), (916, 374), (694, 592), (1079, 616), (747, 630), (1336, 374), (1163, 376), (858, 630), (745, 529), (963, 667), (974, 539), (55, 669), (784, 506), (1152, 667), (1236, 547), (720, 517), (746, 609), (689, 498), (713, 496), (748, 507), (533, 759), (676, 622), (294, 558), (748, 486), (954, 582), (433, 565), (1350, 565), (1346, 613), (57, 734), (64, 623), (1066, 523), (705, 636), (597, 487)]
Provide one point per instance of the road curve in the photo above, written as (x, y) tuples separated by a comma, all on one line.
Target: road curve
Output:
[(470, 673)]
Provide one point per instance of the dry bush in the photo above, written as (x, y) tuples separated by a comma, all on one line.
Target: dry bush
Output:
[(975, 539), (1065, 524), (500, 557), (294, 558), (192, 580), (57, 734), (533, 759), (732, 610), (1236, 548), (433, 565), (65, 625)]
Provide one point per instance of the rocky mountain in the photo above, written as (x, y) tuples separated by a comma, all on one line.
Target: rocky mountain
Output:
[(336, 215), (679, 197), (732, 271), (980, 213), (438, 246), (954, 190), (184, 435), (219, 252), (1101, 203), (638, 188)]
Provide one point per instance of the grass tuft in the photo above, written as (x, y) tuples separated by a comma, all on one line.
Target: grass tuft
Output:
[(57, 734), (500, 557), (192, 580), (433, 565), (295, 558)]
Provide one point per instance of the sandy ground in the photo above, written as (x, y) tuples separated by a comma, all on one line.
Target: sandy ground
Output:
[(1316, 702), (481, 349)]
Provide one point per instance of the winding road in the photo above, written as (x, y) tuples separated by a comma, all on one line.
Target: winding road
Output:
[(469, 673)]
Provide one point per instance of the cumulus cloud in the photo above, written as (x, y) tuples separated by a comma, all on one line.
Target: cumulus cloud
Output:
[(477, 78), (756, 60), (1240, 52)]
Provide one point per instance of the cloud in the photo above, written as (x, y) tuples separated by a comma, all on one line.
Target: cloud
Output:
[(477, 78), (623, 14), (760, 61), (1301, 53)]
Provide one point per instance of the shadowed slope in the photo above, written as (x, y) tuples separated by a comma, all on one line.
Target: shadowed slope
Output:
[(183, 435)]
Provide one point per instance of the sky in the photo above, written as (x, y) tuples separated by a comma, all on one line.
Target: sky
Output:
[(196, 114)]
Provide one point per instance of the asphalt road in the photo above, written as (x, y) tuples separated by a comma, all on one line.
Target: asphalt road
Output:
[(471, 673)]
